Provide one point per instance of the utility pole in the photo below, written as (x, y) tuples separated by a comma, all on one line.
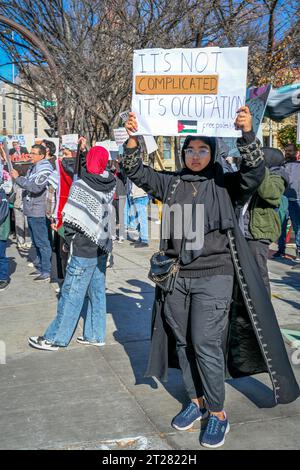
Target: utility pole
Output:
[(41, 46), (270, 132), (14, 103)]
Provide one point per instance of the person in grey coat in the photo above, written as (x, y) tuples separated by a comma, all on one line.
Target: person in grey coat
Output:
[(34, 186)]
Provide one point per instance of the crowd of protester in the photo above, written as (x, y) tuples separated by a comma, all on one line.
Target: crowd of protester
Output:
[(69, 210)]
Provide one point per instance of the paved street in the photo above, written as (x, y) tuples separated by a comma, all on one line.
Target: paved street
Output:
[(97, 398)]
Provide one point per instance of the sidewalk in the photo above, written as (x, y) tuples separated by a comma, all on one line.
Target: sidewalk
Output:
[(85, 397)]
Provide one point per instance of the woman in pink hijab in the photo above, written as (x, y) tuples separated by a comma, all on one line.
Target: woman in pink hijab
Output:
[(87, 224)]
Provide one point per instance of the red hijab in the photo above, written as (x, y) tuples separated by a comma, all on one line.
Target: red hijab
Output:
[(96, 160)]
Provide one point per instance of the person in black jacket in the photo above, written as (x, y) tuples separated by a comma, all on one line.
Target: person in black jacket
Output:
[(87, 219), (207, 242)]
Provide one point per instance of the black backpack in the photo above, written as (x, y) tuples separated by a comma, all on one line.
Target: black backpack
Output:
[(4, 206)]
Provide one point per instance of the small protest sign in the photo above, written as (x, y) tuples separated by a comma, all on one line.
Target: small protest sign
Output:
[(124, 115), (189, 91), (112, 147), (257, 98), (70, 141), (120, 135), (19, 147)]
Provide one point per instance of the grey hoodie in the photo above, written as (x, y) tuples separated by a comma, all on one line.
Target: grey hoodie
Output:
[(293, 171), (34, 186)]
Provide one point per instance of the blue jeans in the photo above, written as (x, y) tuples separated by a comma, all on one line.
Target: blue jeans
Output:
[(138, 216), (129, 220), (40, 239), (294, 210), (4, 273), (294, 213), (83, 293)]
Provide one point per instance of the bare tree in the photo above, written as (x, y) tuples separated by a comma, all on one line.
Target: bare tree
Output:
[(92, 43)]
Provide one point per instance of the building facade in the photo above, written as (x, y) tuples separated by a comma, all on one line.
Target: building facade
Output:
[(17, 117)]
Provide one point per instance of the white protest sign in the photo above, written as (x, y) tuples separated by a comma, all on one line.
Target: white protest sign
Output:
[(298, 128), (70, 141), (189, 91), (120, 135), (150, 144)]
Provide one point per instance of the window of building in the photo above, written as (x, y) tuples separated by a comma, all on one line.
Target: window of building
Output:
[(167, 148), (3, 112)]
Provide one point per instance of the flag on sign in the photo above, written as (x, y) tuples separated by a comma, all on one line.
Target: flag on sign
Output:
[(187, 127)]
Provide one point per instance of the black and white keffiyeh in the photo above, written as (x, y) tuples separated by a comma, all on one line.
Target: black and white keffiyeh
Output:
[(90, 211)]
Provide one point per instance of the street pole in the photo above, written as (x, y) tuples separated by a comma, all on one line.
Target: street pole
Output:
[(14, 93), (270, 133), (41, 46)]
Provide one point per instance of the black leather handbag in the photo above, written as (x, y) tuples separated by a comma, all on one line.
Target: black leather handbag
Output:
[(164, 271)]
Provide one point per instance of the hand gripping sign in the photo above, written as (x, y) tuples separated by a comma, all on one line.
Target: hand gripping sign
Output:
[(189, 91)]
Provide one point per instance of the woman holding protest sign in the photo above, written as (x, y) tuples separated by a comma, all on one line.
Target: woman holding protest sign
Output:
[(203, 264)]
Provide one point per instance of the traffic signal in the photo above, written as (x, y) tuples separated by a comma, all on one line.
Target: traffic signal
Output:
[(51, 119)]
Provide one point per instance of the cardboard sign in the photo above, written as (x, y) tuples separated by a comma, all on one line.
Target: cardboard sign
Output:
[(176, 85), (189, 91)]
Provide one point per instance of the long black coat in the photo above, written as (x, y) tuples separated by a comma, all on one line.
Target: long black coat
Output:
[(254, 342)]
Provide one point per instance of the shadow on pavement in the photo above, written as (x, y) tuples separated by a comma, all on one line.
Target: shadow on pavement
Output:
[(257, 392), (137, 346)]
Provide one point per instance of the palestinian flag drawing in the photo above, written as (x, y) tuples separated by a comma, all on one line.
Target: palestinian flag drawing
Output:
[(187, 127)]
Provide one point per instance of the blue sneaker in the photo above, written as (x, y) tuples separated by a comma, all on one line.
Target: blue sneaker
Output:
[(186, 418), (214, 435)]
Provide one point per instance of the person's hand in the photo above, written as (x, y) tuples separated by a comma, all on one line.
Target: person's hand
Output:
[(54, 227), (82, 142), (131, 126), (243, 120), (14, 174)]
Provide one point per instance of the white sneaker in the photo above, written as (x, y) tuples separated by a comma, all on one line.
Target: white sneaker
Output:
[(30, 265), (81, 340), (39, 342)]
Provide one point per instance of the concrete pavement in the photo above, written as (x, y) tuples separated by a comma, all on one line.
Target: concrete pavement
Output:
[(85, 397)]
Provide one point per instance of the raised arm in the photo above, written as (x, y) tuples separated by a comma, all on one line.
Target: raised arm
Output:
[(243, 184), (153, 182)]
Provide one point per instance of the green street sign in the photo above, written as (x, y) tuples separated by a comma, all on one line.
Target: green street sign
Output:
[(48, 104)]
